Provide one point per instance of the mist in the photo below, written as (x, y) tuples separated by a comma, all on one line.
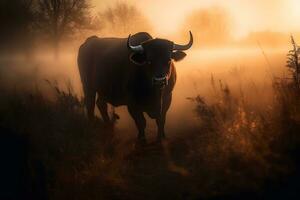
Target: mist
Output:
[(232, 128), (240, 63)]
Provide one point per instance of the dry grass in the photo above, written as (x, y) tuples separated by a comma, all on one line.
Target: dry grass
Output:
[(238, 148)]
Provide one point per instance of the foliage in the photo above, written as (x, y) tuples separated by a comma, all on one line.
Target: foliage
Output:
[(123, 19), (234, 147), (16, 18), (26, 20), (211, 25), (63, 143), (293, 62), (62, 18), (250, 142), (234, 150)]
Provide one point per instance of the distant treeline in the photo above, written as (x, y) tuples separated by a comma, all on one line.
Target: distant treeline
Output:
[(24, 22), (29, 24)]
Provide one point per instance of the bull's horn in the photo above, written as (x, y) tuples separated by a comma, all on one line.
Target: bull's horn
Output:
[(138, 48), (184, 47)]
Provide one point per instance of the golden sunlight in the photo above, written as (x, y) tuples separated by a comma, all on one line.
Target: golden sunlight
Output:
[(115, 99), (247, 16)]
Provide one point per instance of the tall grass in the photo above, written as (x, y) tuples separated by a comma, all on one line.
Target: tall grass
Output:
[(248, 148), (237, 148), (61, 139)]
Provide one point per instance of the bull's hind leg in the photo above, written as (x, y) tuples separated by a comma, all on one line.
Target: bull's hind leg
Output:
[(90, 104), (102, 106), (139, 120)]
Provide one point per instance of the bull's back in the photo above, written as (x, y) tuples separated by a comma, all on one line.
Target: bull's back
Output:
[(104, 66)]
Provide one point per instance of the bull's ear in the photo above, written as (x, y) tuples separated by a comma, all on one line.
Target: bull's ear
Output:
[(138, 58), (178, 55)]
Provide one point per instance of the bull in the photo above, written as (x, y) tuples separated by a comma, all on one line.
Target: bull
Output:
[(137, 71)]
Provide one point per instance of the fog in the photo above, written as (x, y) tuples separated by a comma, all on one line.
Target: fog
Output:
[(244, 58), (230, 47), (244, 69), (248, 16), (232, 128)]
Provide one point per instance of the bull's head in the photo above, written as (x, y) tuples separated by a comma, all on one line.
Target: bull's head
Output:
[(157, 55)]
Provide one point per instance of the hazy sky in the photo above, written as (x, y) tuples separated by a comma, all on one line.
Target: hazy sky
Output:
[(247, 15)]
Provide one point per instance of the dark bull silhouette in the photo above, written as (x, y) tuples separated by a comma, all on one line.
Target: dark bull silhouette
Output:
[(137, 71)]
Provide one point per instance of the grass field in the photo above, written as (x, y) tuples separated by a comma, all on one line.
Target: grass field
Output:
[(232, 133)]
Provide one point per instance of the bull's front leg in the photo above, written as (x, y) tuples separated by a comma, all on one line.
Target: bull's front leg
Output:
[(161, 120), (161, 127), (139, 120)]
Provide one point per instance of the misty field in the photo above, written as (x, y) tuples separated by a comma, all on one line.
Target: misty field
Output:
[(232, 129), (232, 133)]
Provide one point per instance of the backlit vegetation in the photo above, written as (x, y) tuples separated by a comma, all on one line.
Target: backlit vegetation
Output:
[(236, 148)]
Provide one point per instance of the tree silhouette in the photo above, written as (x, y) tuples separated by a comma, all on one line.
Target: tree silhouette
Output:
[(123, 19), (211, 25), (16, 17), (61, 18)]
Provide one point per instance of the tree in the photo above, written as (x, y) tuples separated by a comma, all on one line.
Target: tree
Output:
[(122, 19), (211, 25), (16, 17), (61, 18)]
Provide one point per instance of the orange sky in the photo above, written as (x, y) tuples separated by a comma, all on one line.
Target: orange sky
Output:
[(247, 15)]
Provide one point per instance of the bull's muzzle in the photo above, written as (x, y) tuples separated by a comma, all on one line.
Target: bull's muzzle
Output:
[(160, 81)]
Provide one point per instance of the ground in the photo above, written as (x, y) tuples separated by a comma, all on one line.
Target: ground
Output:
[(222, 141)]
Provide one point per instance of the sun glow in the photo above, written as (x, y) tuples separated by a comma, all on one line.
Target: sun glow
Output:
[(293, 14), (248, 15)]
